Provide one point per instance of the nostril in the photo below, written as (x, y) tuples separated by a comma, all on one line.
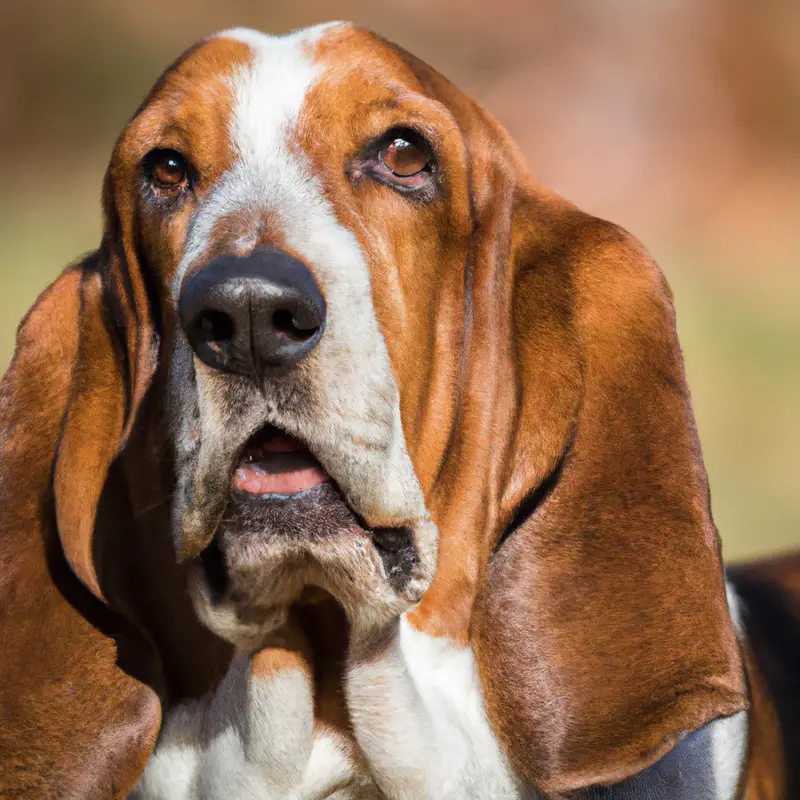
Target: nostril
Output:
[(214, 326), (285, 323)]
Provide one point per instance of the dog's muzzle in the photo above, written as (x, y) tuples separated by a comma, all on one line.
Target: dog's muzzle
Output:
[(267, 518)]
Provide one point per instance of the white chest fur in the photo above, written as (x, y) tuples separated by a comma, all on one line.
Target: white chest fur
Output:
[(417, 713), (253, 738)]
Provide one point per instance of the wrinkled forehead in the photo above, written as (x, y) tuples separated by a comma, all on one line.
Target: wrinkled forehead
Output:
[(242, 88)]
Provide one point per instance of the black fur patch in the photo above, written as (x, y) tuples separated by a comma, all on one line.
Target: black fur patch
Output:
[(685, 773), (397, 551)]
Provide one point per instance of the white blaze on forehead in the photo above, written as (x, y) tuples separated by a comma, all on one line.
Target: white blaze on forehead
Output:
[(268, 95)]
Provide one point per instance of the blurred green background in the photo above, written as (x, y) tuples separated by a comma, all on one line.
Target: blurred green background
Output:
[(677, 119)]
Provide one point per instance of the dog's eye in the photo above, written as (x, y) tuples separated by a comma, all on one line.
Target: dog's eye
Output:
[(403, 158), (167, 169)]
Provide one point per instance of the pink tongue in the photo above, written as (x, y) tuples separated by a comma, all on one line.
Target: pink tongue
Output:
[(264, 478), (247, 480)]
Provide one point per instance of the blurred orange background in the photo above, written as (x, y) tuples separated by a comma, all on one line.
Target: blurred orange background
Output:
[(678, 120)]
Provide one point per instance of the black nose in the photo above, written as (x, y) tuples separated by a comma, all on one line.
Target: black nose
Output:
[(247, 314)]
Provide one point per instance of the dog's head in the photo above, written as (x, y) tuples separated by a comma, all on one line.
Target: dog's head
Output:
[(300, 211), (369, 335)]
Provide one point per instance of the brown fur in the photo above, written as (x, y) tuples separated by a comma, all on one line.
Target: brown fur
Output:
[(64, 700)]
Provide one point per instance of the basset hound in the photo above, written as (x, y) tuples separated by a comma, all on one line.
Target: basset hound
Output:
[(355, 463)]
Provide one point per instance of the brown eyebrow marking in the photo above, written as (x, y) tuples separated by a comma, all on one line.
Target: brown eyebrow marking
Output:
[(382, 103)]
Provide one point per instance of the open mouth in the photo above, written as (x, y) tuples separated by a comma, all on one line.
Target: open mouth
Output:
[(275, 463), (279, 494), (287, 532)]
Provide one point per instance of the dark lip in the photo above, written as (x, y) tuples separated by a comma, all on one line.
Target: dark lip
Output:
[(274, 497)]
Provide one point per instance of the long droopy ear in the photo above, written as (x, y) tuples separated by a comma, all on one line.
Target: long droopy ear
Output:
[(577, 554), (72, 722), (116, 360), (601, 629)]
